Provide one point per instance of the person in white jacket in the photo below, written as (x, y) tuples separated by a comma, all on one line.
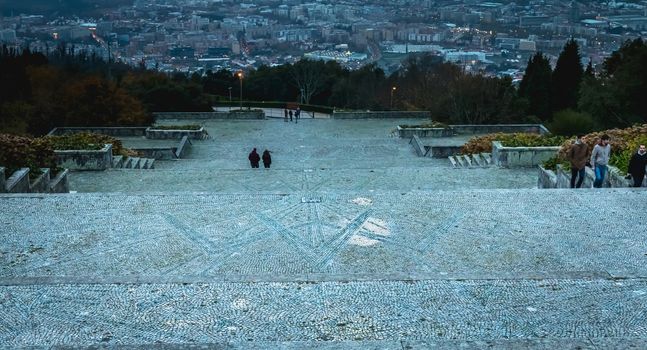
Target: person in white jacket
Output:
[(600, 160)]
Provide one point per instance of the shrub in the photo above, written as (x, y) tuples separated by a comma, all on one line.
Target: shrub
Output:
[(483, 143), (87, 141), (624, 142), (569, 122), (22, 152), (433, 125)]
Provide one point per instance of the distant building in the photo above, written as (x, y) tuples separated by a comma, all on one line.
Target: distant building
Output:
[(339, 56), (8, 36), (182, 52)]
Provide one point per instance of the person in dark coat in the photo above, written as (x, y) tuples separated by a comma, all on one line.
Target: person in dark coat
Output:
[(637, 166), (285, 114), (267, 159), (254, 158), (578, 155), (290, 113)]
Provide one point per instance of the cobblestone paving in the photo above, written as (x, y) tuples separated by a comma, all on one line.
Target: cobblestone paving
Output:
[(350, 242)]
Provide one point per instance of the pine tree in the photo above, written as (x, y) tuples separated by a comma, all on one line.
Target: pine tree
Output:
[(536, 86), (567, 77), (589, 72)]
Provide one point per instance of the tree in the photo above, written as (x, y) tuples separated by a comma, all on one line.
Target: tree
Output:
[(567, 77), (308, 76), (535, 86)]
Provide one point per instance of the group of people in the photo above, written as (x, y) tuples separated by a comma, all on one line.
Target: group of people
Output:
[(599, 161), (254, 158), (296, 114)]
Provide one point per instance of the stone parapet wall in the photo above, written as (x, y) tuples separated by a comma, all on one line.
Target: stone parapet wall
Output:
[(111, 131), (424, 132), (85, 160), (19, 182), (561, 178), (445, 151), (152, 133), (512, 157), (421, 150), (382, 115), (473, 129), (60, 184), (251, 114)]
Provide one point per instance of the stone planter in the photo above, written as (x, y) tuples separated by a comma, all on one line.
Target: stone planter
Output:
[(85, 160), (547, 178), (163, 134), (512, 157)]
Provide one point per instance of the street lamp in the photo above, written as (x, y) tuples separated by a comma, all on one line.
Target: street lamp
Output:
[(240, 77), (230, 98), (392, 91)]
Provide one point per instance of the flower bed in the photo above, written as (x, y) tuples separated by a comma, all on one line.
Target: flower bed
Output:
[(483, 144)]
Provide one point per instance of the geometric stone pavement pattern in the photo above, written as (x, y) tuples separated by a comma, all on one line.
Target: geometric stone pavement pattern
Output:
[(344, 257)]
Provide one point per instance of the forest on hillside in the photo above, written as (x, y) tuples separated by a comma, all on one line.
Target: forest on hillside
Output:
[(40, 92)]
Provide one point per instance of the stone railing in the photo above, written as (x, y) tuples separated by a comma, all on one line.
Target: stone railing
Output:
[(235, 114), (421, 150), (453, 130), (152, 133), (111, 131), (381, 115), (562, 179), (166, 153), (424, 132), (511, 157), (19, 182), (85, 159), (473, 129)]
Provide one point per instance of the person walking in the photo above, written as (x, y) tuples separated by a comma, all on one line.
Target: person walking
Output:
[(290, 115), (600, 160), (267, 159), (578, 155), (285, 115), (254, 158), (637, 165)]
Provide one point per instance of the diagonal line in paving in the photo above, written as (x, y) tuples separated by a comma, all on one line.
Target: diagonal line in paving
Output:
[(443, 227), (334, 246), (289, 236)]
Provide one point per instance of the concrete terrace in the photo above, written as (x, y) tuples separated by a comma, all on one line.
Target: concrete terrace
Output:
[(349, 241)]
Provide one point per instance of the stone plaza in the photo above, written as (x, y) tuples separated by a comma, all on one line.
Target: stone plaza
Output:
[(349, 241)]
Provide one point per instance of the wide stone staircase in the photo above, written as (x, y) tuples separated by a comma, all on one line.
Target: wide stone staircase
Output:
[(479, 160), (121, 162)]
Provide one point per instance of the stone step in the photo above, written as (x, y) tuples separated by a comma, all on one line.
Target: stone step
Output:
[(453, 161), (117, 161), (127, 163), (467, 159), (147, 163), (136, 163), (487, 157), (476, 160), (461, 162)]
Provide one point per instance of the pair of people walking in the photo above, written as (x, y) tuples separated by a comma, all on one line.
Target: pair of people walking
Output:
[(296, 114), (254, 158), (599, 160)]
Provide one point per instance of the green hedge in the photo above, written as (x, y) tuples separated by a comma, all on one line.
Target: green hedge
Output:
[(23, 152)]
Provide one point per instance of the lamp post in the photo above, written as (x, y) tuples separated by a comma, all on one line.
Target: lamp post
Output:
[(230, 98), (392, 91), (240, 77)]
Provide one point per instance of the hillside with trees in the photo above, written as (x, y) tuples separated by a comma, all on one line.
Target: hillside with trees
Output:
[(39, 92)]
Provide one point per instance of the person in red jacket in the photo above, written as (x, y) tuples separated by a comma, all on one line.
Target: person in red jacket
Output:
[(254, 158)]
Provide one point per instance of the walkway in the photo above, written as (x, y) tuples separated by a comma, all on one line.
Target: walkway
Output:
[(350, 242)]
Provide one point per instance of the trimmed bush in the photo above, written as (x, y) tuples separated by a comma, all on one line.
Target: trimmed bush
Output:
[(23, 152), (483, 143), (624, 142), (88, 141), (569, 122)]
